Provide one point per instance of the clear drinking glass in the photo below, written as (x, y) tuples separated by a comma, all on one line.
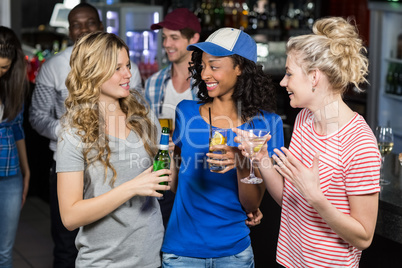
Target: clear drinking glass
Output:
[(385, 141), (218, 137), (255, 139)]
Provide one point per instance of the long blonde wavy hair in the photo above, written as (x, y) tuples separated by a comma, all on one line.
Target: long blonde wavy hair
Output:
[(93, 62), (334, 48)]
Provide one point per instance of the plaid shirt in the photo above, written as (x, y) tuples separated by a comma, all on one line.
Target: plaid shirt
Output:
[(155, 89), (10, 132)]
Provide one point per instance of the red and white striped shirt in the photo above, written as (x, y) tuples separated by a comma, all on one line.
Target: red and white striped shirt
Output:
[(349, 165)]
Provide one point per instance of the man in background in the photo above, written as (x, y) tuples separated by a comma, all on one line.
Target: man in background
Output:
[(166, 88), (46, 110)]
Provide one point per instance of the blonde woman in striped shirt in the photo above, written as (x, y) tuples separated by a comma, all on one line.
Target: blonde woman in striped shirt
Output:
[(327, 182)]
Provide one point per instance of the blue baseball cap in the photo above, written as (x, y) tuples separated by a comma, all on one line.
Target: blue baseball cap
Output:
[(226, 42)]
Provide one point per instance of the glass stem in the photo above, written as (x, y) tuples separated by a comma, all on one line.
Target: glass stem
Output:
[(251, 168)]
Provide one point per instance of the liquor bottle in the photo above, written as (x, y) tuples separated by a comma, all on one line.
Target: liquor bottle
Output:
[(228, 13), (399, 47), (273, 21), (262, 15), (219, 14), (244, 15), (395, 80), (162, 158), (288, 16), (389, 78), (208, 16), (252, 18), (203, 16), (199, 12), (309, 16), (56, 47), (236, 13), (399, 84)]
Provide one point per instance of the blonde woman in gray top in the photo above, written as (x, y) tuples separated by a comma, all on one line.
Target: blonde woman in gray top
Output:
[(104, 158)]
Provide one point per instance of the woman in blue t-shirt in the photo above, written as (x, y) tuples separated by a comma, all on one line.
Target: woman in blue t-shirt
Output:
[(207, 226)]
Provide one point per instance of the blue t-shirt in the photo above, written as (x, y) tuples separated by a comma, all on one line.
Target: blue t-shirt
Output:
[(207, 219)]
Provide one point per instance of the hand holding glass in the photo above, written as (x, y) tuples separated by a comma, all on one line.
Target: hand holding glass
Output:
[(385, 140), (255, 139), (219, 137)]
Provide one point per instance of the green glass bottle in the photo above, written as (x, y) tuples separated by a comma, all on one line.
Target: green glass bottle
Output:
[(390, 78), (162, 158)]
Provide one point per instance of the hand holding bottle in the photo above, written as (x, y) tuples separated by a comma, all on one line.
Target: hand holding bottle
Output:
[(149, 183)]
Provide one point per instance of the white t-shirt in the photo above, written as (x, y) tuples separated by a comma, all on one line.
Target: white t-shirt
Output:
[(172, 98)]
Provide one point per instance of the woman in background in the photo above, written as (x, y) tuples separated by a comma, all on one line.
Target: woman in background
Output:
[(14, 169), (106, 186), (327, 182)]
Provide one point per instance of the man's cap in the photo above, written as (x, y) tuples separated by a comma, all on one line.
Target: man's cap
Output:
[(179, 19), (228, 41)]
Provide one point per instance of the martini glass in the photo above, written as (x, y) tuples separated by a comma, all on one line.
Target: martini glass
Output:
[(255, 139)]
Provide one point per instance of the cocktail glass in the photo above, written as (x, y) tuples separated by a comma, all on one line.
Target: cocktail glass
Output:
[(255, 139)]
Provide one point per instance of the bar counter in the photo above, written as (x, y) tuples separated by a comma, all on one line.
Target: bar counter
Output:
[(389, 222)]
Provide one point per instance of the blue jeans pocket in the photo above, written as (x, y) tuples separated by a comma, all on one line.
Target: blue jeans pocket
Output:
[(245, 255)]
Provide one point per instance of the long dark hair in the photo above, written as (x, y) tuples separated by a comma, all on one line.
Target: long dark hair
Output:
[(14, 83), (253, 90)]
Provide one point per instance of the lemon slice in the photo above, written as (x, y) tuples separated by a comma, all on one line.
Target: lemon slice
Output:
[(218, 139)]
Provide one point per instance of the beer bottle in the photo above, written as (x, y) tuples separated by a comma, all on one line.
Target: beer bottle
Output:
[(162, 158)]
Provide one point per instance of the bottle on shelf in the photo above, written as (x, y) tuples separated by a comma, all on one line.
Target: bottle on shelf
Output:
[(395, 81), (309, 14), (389, 78), (237, 13), (56, 47), (199, 13), (162, 158), (262, 14), (219, 14), (399, 84), (399, 47), (252, 18), (273, 21), (228, 7), (288, 17), (208, 19), (244, 15)]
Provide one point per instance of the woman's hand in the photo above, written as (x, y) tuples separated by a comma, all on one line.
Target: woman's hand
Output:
[(227, 159), (26, 177), (254, 218), (245, 149), (147, 183), (306, 180)]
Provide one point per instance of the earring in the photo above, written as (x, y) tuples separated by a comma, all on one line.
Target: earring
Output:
[(313, 89)]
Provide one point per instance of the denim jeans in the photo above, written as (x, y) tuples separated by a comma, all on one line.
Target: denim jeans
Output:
[(244, 259), (10, 207)]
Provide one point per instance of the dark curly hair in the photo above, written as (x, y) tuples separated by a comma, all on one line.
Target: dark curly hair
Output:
[(253, 90)]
